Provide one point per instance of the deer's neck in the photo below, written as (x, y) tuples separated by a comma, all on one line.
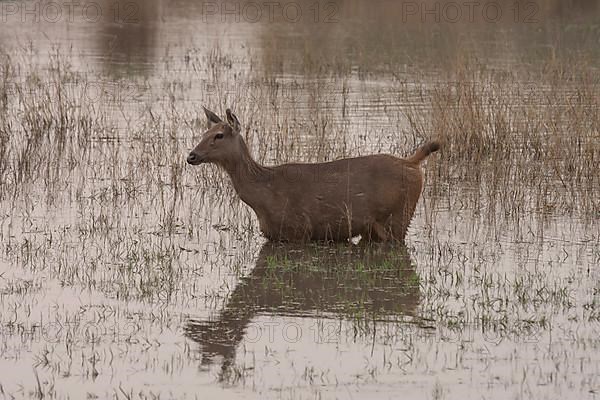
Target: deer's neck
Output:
[(249, 178)]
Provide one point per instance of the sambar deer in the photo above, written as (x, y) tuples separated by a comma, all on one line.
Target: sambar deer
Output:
[(372, 196)]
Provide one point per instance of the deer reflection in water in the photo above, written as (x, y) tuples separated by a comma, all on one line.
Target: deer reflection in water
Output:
[(331, 282)]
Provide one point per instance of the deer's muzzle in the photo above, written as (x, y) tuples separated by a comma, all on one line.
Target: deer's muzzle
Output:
[(194, 159)]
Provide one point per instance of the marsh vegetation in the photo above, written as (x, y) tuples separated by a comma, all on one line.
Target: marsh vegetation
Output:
[(124, 273)]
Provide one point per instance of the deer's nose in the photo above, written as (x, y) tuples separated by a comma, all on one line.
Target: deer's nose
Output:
[(193, 159)]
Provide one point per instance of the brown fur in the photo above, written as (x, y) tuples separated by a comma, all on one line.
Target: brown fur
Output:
[(373, 196)]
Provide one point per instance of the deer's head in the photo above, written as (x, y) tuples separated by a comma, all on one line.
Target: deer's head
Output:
[(220, 143)]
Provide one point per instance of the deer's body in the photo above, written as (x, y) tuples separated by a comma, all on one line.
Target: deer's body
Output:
[(372, 196)]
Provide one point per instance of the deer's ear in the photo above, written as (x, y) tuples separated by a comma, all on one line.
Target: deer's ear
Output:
[(233, 121), (211, 118)]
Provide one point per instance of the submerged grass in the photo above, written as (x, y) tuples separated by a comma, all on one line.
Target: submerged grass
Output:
[(501, 131), (102, 222)]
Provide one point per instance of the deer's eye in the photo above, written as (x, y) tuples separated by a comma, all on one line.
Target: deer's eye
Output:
[(219, 136)]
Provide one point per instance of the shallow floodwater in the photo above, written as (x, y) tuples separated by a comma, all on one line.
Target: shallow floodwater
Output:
[(126, 273)]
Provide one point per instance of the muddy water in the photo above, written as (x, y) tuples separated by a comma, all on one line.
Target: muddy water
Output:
[(125, 273)]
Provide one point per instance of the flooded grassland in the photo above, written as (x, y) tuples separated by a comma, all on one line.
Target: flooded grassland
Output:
[(126, 273)]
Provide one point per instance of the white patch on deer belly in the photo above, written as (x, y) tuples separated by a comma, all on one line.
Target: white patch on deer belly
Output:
[(355, 239)]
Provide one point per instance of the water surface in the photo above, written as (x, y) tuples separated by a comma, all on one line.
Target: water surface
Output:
[(125, 273)]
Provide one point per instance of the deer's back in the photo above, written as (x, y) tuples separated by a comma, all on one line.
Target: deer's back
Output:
[(337, 196)]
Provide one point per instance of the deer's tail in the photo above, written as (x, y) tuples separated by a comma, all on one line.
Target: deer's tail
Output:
[(423, 151)]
